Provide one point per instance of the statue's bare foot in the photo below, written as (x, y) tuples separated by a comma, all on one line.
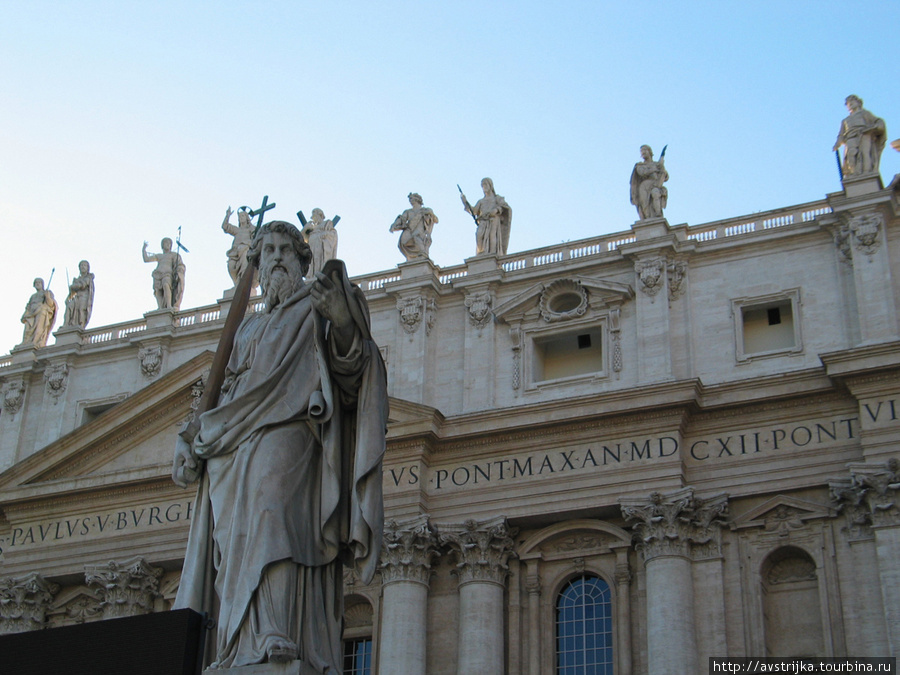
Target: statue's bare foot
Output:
[(282, 651)]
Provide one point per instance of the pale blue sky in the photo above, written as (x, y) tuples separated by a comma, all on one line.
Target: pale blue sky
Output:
[(121, 121)]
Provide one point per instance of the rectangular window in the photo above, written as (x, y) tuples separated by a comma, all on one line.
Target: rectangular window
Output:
[(576, 353), (358, 656), (767, 326)]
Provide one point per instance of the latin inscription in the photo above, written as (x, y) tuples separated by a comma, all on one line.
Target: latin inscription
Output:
[(609, 455), (93, 525)]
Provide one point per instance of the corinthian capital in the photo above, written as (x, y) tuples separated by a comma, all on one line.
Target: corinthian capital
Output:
[(125, 589), (24, 602), (676, 523), (868, 498), (482, 548), (407, 550)]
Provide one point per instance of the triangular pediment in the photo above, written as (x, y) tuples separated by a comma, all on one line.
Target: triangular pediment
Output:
[(602, 293), (782, 513), (133, 438)]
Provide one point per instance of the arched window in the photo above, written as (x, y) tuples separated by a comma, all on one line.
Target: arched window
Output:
[(584, 640)]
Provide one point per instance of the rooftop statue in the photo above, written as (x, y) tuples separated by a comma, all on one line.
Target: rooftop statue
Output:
[(415, 226), (80, 300), (39, 316), (243, 234), (168, 277), (289, 463), (322, 239), (648, 193), (493, 219), (863, 137)]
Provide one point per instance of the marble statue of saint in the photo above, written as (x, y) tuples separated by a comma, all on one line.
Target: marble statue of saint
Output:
[(648, 193), (493, 219), (168, 277), (243, 234), (39, 316), (863, 136), (322, 239), (80, 300), (289, 464), (415, 226)]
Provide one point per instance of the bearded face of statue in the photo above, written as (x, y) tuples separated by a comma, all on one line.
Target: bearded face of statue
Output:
[(280, 270)]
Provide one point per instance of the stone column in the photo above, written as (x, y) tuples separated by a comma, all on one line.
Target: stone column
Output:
[(24, 602), (125, 589), (482, 550), (406, 555), (666, 526), (869, 499)]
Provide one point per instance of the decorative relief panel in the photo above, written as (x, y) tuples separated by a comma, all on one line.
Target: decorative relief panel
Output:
[(412, 311), (125, 589), (13, 395), (865, 229), (479, 308), (677, 270), (650, 275), (407, 550), (151, 360), (24, 602), (562, 300), (677, 523), (482, 548), (56, 378)]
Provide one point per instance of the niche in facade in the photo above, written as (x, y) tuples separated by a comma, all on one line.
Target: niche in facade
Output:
[(791, 607)]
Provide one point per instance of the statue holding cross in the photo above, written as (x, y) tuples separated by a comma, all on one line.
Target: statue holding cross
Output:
[(286, 446)]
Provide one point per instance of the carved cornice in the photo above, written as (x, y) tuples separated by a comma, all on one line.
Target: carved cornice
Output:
[(482, 548), (125, 589), (868, 498), (24, 602), (407, 550), (676, 524)]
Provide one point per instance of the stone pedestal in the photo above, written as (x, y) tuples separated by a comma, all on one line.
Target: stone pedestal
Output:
[(407, 551), (160, 319), (69, 335), (482, 549)]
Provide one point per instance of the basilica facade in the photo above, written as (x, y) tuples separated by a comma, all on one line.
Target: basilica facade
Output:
[(628, 453)]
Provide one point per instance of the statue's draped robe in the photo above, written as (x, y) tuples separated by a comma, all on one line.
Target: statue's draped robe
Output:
[(293, 474), (494, 219), (644, 178)]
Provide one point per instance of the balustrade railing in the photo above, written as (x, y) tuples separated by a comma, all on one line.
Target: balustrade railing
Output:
[(550, 255)]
